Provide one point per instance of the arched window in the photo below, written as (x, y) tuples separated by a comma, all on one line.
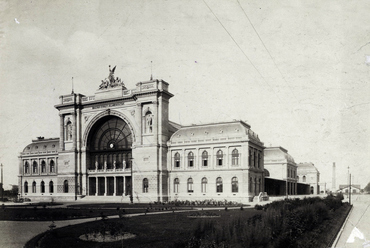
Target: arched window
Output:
[(255, 186), (148, 122), (259, 185), (34, 187), (145, 185), (65, 186), (34, 167), (176, 183), (43, 166), (26, 168), (190, 185), (219, 157), (205, 158), (234, 185), (51, 187), (304, 179), (52, 166), (250, 158), (255, 159), (190, 159), (177, 160), (235, 157), (42, 187), (219, 185), (204, 185), (250, 185), (258, 160), (25, 187)]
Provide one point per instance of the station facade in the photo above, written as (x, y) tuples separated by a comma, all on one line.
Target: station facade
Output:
[(121, 143)]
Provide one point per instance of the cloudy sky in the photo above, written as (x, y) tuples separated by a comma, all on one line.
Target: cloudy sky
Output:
[(296, 71)]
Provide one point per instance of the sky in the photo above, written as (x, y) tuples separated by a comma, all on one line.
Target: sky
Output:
[(297, 71)]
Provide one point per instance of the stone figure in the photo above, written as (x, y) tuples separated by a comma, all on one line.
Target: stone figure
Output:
[(124, 163), (114, 164), (96, 165), (111, 82), (105, 165), (69, 131), (111, 74), (149, 123)]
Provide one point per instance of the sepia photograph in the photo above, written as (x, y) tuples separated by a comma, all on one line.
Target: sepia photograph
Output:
[(172, 123)]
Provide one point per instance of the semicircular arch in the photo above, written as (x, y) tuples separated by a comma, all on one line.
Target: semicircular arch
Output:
[(97, 117)]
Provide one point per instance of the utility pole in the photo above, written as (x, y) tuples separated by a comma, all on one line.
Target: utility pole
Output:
[(2, 188), (349, 189)]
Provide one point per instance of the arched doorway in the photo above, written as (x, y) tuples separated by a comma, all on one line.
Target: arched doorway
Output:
[(109, 154)]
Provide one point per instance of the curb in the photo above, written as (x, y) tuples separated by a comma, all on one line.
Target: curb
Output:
[(334, 244)]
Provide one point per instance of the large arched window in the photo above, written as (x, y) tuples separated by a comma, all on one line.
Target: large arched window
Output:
[(34, 187), (145, 185), (177, 160), (190, 159), (219, 185), (219, 157), (234, 185), (26, 168), (176, 183), (42, 187), (25, 187), (52, 166), (34, 167), (204, 185), (190, 185), (204, 158), (65, 186), (110, 144), (43, 166), (235, 157), (51, 187)]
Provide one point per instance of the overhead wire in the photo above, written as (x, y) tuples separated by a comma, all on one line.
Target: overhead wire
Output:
[(246, 56), (267, 50)]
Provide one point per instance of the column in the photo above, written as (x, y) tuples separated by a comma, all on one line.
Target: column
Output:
[(61, 140), (74, 129), (155, 122), (124, 185), (138, 120), (97, 186), (115, 186), (105, 188)]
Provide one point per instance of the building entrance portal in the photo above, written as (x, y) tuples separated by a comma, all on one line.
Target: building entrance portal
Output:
[(109, 157)]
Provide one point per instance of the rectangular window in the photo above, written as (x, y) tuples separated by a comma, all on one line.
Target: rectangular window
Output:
[(205, 162), (219, 163), (191, 163)]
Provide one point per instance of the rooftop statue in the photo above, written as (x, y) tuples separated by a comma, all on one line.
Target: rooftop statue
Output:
[(111, 82)]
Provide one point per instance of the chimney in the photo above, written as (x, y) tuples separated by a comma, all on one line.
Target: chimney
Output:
[(333, 179)]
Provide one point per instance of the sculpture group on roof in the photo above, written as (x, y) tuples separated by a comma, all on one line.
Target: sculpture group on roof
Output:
[(111, 82)]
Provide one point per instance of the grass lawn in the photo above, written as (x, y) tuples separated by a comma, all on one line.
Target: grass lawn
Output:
[(44, 212), (161, 230)]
